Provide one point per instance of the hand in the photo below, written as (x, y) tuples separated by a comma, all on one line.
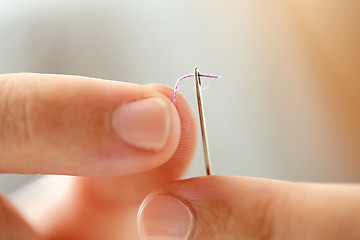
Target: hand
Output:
[(219, 207), (126, 139)]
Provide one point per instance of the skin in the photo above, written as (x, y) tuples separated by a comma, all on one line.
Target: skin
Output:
[(42, 118)]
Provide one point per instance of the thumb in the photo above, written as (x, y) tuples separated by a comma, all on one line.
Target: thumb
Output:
[(81, 126), (220, 207)]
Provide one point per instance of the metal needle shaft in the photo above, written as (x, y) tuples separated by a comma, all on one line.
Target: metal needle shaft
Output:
[(202, 122)]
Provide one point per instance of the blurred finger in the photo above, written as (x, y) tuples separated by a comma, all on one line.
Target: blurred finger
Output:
[(12, 226)]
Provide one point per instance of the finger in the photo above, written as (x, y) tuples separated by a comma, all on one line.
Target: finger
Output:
[(133, 188), (110, 205), (82, 126), (12, 226), (219, 207)]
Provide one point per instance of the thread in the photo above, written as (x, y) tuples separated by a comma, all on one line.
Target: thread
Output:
[(176, 88)]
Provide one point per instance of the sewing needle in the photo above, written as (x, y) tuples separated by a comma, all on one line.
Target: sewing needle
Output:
[(202, 122)]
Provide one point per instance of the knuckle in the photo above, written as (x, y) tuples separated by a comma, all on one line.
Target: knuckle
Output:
[(250, 218), (15, 114), (268, 215)]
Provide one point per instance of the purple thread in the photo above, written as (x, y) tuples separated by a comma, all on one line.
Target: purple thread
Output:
[(187, 76)]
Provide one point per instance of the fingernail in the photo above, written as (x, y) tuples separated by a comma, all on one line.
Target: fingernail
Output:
[(144, 123), (164, 218)]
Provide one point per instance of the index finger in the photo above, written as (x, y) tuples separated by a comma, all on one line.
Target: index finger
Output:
[(82, 126)]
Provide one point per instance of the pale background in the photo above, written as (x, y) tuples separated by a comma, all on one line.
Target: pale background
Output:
[(287, 105)]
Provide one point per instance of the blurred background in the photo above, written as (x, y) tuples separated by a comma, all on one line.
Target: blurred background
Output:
[(287, 105)]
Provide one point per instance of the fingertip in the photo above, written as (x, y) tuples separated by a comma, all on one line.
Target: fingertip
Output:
[(150, 128), (187, 144), (165, 217)]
